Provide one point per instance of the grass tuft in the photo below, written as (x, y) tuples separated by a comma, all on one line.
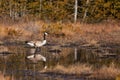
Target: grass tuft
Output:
[(107, 72), (73, 69)]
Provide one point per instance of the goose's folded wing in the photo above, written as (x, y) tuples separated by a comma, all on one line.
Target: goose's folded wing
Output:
[(40, 43)]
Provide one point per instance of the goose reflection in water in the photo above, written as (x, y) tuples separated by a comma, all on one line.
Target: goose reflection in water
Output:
[(35, 57)]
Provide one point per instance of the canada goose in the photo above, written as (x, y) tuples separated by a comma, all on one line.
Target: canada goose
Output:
[(37, 57), (38, 43)]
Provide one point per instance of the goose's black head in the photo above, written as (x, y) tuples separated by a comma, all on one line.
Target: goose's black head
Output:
[(45, 34), (26, 41)]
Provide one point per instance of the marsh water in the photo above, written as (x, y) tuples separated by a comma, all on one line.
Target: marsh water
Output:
[(15, 66)]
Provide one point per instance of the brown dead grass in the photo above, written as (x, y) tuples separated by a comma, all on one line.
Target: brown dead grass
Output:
[(110, 72), (73, 69), (2, 77), (64, 32), (12, 32), (100, 32), (2, 32), (105, 72)]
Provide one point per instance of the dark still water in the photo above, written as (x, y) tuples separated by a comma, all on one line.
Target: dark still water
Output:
[(14, 64)]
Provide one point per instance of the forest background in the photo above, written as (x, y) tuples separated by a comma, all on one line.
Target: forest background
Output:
[(88, 11)]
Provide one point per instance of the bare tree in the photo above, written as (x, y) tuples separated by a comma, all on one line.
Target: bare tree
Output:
[(40, 7), (76, 7), (10, 5), (86, 10)]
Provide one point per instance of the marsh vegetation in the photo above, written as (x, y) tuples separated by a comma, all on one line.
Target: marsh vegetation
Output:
[(83, 41)]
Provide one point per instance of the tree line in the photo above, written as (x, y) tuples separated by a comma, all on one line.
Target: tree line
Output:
[(61, 10)]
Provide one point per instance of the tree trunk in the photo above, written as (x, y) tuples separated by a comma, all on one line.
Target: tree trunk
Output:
[(40, 8), (76, 7), (10, 5), (75, 54), (86, 10)]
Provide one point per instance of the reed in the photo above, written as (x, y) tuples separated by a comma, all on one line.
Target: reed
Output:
[(72, 69), (103, 73), (2, 77), (107, 72), (67, 32)]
